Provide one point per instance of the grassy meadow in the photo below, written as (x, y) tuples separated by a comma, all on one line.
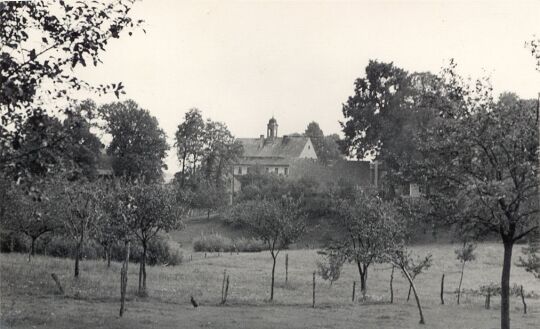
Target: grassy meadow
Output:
[(29, 298)]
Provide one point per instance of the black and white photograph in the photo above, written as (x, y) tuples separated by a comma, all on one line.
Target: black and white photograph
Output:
[(266, 164)]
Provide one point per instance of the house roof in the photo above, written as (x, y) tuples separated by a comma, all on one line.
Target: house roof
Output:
[(287, 147)]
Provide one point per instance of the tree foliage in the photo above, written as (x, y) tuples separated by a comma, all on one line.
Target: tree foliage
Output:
[(277, 223), (479, 157), (141, 212), (366, 221), (41, 42), (326, 147), (139, 146)]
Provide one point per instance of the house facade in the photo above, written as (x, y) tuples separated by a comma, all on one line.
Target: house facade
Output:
[(273, 154)]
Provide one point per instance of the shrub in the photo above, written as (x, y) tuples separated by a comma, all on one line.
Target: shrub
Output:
[(159, 253), (216, 242), (330, 268), (13, 242)]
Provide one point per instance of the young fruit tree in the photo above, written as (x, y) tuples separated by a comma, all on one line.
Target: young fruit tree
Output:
[(361, 218), (329, 269), (83, 213), (479, 157), (464, 254), (152, 208), (401, 258), (27, 214), (278, 223), (417, 267)]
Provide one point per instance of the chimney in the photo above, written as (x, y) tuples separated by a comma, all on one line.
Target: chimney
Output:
[(261, 141)]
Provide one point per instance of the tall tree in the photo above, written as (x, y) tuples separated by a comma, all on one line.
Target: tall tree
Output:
[(138, 145), (189, 141), (387, 110), (480, 159), (326, 147), (41, 42), (220, 152)]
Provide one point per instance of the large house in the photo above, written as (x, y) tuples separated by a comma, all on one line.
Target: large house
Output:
[(295, 157), (273, 154)]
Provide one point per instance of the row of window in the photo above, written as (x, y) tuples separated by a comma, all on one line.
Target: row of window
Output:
[(268, 170)]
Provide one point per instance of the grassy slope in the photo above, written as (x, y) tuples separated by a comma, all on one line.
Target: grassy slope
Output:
[(28, 294)]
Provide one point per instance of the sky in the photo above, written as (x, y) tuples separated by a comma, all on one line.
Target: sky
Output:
[(243, 62)]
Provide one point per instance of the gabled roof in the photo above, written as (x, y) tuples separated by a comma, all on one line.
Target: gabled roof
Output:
[(289, 147)]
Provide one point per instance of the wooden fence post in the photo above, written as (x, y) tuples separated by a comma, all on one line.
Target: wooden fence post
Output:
[(59, 285), (286, 268), (442, 290), (223, 286), (523, 300), (313, 290), (392, 285), (226, 290)]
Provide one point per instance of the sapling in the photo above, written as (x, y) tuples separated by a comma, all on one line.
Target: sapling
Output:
[(464, 254)]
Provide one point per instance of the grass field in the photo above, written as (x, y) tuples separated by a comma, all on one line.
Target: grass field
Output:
[(29, 298)]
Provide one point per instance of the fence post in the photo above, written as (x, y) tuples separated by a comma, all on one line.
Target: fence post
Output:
[(223, 287), (442, 290), (523, 300), (392, 285), (226, 290), (286, 268), (313, 290)]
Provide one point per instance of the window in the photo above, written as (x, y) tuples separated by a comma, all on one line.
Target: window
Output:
[(286, 171), (267, 169), (239, 170), (276, 170)]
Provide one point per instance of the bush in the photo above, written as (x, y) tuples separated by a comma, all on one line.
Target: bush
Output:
[(216, 242), (13, 242), (158, 253), (330, 268)]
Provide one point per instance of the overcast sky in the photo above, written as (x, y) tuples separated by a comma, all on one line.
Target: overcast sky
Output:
[(242, 62)]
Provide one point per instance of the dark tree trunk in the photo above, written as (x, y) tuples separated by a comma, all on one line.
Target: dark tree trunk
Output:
[(362, 270), (505, 284), (273, 275), (123, 279), (183, 170), (409, 293), (77, 256), (415, 294), (32, 250), (109, 249), (142, 271)]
